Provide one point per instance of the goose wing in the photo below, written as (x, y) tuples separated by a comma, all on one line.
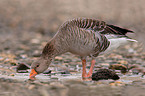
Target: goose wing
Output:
[(98, 26)]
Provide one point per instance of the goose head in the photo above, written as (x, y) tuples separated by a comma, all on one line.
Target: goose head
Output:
[(39, 66)]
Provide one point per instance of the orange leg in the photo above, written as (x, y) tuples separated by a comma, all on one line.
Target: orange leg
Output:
[(88, 76), (84, 73), (91, 68)]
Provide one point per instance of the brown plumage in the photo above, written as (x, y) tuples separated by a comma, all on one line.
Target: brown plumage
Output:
[(83, 37)]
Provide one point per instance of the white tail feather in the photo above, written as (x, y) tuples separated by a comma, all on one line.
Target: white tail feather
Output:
[(132, 40)]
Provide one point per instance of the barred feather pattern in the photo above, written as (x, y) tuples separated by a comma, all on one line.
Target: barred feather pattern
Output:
[(91, 24), (85, 37), (97, 26)]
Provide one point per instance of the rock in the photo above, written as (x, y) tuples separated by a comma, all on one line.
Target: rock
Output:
[(131, 50), (58, 58), (132, 66), (31, 87), (36, 53), (117, 83), (1, 58), (24, 47), (123, 62), (118, 67), (112, 84), (129, 56), (57, 84), (135, 71), (105, 64), (47, 72), (12, 74), (64, 72), (7, 60), (22, 68), (13, 63), (112, 55), (104, 74), (35, 41), (23, 56)]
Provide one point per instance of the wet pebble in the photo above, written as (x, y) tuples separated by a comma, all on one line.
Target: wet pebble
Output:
[(12, 74), (47, 72), (135, 71), (1, 58), (133, 66), (23, 56), (35, 41), (123, 62), (31, 87), (36, 53), (105, 74), (65, 72), (58, 58), (117, 83), (115, 56), (56, 84), (105, 64), (121, 67), (22, 68), (54, 77)]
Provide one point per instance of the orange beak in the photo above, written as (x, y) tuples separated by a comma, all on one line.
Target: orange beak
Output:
[(32, 75)]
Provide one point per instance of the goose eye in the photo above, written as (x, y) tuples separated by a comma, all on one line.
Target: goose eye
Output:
[(37, 66)]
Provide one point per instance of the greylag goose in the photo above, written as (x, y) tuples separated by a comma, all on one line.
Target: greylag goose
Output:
[(83, 37)]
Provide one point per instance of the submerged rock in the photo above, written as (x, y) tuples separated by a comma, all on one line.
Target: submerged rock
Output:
[(47, 72), (121, 67), (22, 68), (105, 74)]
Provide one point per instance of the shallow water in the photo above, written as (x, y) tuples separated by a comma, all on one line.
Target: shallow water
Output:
[(125, 79)]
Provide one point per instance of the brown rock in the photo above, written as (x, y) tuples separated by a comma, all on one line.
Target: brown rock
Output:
[(22, 68)]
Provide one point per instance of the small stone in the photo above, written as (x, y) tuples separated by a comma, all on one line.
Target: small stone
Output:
[(12, 74), (22, 71), (31, 87), (22, 67), (43, 43), (118, 67), (35, 41), (57, 84), (36, 53), (119, 82), (112, 84), (131, 50), (133, 66), (7, 60), (24, 56), (80, 63), (1, 58), (13, 67), (58, 58), (137, 70), (115, 56), (47, 72), (13, 63), (54, 77), (24, 47), (128, 56), (123, 62), (105, 64), (65, 72)]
